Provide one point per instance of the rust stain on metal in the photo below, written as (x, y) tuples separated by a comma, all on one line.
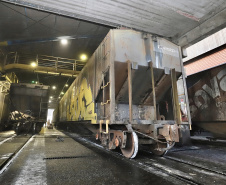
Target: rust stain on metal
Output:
[(188, 15), (170, 132)]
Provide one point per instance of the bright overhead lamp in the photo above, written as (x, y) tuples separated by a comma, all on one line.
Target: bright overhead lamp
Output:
[(64, 41), (66, 85), (51, 97), (83, 57), (62, 93), (33, 64), (54, 87), (50, 101)]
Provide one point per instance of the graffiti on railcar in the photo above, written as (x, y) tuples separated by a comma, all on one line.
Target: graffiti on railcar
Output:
[(81, 105), (208, 96)]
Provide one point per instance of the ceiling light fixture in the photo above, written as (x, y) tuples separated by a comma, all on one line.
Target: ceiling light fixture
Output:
[(33, 64), (64, 41), (54, 87), (83, 57)]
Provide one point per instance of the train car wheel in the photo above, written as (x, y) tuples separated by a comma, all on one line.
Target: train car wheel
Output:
[(156, 148), (131, 149)]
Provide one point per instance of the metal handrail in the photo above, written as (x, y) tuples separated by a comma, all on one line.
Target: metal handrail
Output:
[(45, 61)]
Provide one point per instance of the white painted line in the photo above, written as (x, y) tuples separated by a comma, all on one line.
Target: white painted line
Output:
[(34, 169)]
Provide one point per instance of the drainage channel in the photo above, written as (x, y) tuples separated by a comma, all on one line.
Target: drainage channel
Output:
[(66, 157), (8, 161)]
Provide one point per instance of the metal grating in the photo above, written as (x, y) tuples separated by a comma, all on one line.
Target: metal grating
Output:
[(65, 157)]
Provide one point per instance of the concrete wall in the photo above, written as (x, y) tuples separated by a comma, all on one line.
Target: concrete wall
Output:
[(214, 41)]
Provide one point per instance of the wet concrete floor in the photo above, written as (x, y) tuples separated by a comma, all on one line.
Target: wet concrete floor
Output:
[(55, 158)]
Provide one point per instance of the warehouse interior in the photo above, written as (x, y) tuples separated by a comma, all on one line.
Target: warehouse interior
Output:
[(71, 62), (32, 30)]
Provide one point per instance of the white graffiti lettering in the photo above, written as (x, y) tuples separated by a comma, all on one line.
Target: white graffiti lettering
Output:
[(221, 76), (223, 84), (202, 96), (214, 92)]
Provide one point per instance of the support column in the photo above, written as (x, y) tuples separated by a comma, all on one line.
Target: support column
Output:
[(112, 80), (185, 90), (153, 90), (176, 107), (130, 89)]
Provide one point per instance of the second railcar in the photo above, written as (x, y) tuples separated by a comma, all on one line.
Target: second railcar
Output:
[(29, 106), (128, 90), (207, 95)]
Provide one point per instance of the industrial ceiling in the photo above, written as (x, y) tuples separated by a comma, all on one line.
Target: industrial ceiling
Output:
[(183, 21), (34, 27)]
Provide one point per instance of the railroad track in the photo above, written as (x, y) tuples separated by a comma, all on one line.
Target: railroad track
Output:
[(181, 171), (171, 173), (10, 158), (7, 138), (195, 165)]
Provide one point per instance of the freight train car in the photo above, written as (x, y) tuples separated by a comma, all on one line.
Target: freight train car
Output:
[(128, 93), (29, 106), (207, 95)]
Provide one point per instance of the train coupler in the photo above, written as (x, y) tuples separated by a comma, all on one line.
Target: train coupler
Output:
[(170, 132)]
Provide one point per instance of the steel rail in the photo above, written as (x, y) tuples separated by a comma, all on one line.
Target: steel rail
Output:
[(7, 139), (8, 161), (195, 165)]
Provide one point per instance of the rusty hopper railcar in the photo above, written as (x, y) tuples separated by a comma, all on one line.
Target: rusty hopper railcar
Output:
[(128, 90), (29, 106), (207, 96)]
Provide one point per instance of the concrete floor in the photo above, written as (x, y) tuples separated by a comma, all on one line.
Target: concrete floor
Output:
[(54, 158)]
